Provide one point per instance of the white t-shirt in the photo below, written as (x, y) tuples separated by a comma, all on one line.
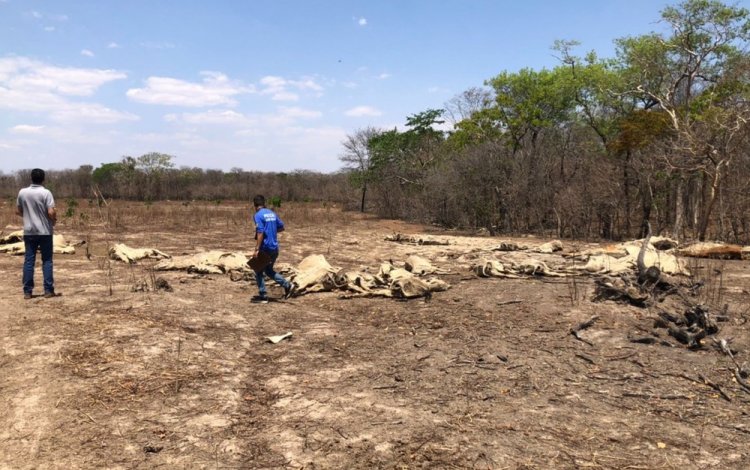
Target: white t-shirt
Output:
[(34, 202)]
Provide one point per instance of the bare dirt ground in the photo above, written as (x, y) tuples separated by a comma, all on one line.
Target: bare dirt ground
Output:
[(484, 375)]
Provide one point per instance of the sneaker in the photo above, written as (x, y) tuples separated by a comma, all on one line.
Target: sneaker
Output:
[(290, 290), (259, 299), (49, 295), (27, 296)]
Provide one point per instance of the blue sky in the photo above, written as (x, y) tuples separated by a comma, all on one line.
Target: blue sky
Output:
[(261, 85)]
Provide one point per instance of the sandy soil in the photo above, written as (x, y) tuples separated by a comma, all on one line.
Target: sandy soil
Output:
[(485, 375)]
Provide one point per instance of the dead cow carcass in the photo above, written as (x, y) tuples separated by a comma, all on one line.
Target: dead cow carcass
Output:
[(13, 244), (716, 251), (207, 262), (622, 258), (315, 274), (130, 255)]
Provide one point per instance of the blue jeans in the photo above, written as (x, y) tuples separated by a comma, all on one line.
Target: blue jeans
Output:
[(44, 244), (268, 271)]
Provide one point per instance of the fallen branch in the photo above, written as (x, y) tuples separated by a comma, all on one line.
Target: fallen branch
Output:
[(675, 396), (715, 387), (723, 345), (644, 340), (582, 326), (585, 358), (619, 358), (740, 380), (384, 387)]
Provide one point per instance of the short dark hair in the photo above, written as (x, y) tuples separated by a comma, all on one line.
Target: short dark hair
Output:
[(37, 176), (259, 201)]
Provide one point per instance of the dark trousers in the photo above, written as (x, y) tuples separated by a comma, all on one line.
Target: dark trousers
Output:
[(43, 243), (268, 271)]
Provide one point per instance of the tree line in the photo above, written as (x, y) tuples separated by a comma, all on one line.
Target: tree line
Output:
[(591, 148), (153, 177), (594, 147)]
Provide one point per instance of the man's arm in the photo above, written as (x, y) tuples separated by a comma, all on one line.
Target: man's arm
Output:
[(52, 214), (19, 211), (258, 243)]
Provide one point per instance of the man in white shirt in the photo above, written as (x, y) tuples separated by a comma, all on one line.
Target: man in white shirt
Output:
[(37, 207)]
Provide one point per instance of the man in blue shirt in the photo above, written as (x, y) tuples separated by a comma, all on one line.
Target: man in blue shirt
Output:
[(267, 226), (37, 207)]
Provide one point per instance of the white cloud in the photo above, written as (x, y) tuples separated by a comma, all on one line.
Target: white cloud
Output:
[(22, 74), (31, 86), (91, 112), (383, 76), (279, 87), (362, 21), (285, 96), (38, 15), (58, 108), (276, 87), (263, 148), (87, 53), (26, 129), (113, 45), (215, 89), (222, 117), (49, 29), (361, 111), (287, 116), (306, 84), (163, 140), (284, 116), (250, 132), (295, 112)]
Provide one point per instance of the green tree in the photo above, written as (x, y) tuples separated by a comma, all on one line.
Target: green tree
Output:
[(109, 178), (153, 166), (529, 101), (407, 155), (358, 161), (687, 76)]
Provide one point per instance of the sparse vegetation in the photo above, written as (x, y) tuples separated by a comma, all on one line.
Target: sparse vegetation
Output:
[(119, 359)]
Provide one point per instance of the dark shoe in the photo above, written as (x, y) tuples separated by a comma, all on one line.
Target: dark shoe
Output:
[(290, 290), (259, 299), (49, 295), (27, 296)]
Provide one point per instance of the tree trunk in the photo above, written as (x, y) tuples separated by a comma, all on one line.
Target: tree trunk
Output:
[(647, 205), (679, 208), (710, 201), (626, 186), (364, 192)]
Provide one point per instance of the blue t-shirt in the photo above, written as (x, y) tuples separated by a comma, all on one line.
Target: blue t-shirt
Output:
[(269, 224)]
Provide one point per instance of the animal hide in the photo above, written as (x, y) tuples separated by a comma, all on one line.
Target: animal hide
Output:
[(207, 262), (122, 252), (13, 244)]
